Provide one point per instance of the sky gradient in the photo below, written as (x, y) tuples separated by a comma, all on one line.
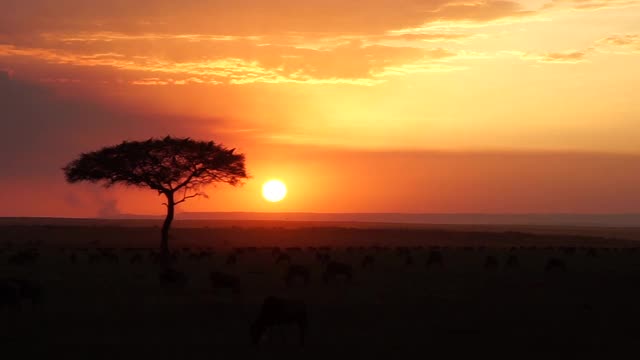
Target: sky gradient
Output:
[(359, 106)]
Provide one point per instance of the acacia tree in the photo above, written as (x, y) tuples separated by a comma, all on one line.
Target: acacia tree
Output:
[(177, 168)]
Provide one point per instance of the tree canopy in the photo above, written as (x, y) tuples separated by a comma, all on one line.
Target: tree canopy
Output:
[(167, 165)]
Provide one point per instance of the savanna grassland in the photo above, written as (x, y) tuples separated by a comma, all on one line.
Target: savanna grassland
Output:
[(97, 290)]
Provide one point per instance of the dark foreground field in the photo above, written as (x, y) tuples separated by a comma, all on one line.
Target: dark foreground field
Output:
[(101, 296)]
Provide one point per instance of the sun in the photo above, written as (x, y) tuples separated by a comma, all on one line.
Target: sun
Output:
[(274, 190)]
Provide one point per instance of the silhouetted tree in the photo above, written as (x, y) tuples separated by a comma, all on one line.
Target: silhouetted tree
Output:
[(177, 168)]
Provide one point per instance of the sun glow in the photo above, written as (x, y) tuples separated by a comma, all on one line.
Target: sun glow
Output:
[(274, 190)]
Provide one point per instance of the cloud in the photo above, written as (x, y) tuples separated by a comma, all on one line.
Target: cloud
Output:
[(239, 42), (591, 4), (620, 44), (352, 62), (566, 57), (243, 18), (163, 43)]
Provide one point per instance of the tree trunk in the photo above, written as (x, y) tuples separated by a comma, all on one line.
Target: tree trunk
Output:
[(164, 244)]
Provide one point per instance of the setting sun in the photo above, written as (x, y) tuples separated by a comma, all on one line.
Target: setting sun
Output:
[(274, 190)]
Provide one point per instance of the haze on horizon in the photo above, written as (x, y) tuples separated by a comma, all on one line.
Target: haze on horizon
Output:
[(419, 106)]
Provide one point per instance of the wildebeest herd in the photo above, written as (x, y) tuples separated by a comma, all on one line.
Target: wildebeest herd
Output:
[(376, 294)]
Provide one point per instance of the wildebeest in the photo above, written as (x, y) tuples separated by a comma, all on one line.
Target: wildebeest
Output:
[(491, 263), (297, 271), (283, 258), (200, 255), (402, 250), (323, 258), (172, 277), (136, 258), (14, 291), (94, 258), (408, 260), (24, 257), (335, 269), (512, 262), (280, 312), (9, 294), (232, 259), (555, 265), (434, 258), (220, 280), (111, 257), (368, 261)]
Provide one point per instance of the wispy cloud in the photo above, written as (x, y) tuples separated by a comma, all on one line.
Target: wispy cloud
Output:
[(566, 57), (620, 44), (591, 4), (351, 63)]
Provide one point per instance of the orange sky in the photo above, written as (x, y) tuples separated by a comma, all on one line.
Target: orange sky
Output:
[(367, 106)]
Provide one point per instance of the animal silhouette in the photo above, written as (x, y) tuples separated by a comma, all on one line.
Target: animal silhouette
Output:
[(276, 311), (335, 269)]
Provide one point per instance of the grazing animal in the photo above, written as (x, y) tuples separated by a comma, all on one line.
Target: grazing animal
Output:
[(232, 259), (174, 256), (555, 265), (402, 250), (335, 269), (9, 294), (512, 262), (323, 258), (24, 257), (434, 259), (110, 257), (199, 255), (94, 258), (136, 259), (172, 277), (29, 290), (297, 271), (283, 258), (408, 261), (276, 251), (491, 263), (280, 312), (14, 291), (368, 261), (220, 280)]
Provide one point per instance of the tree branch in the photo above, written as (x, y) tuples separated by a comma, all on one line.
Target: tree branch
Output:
[(185, 196)]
